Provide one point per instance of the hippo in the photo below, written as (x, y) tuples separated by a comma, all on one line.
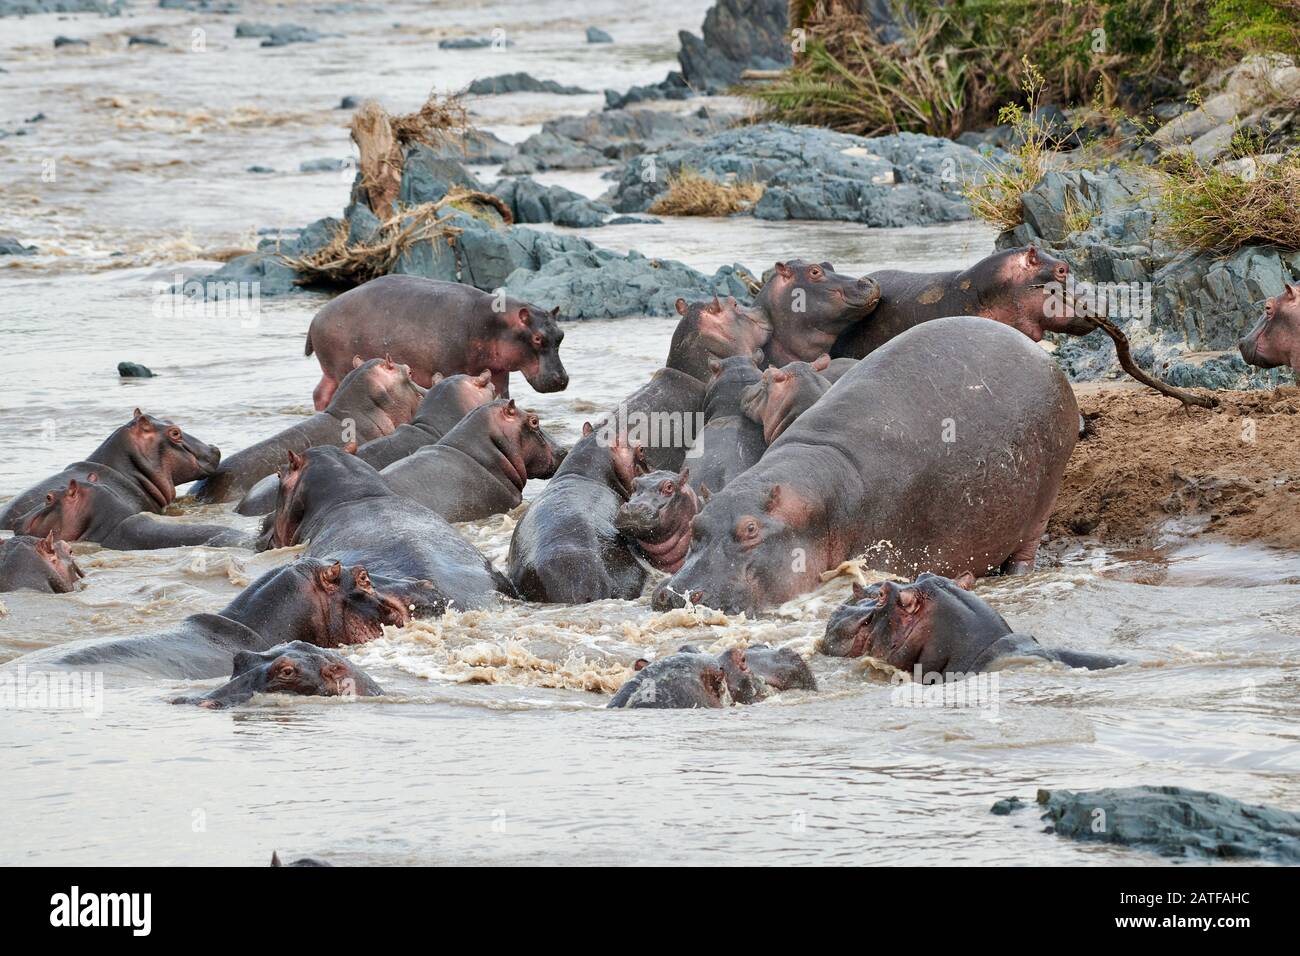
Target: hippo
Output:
[(143, 460), (809, 305), (565, 549), (942, 451), (38, 564), (95, 511), (715, 330), (320, 602), (1275, 340), (293, 668), (1024, 288), (663, 416), (435, 326), (344, 510), (657, 517), (780, 668), (301, 861), (729, 443), (481, 466), (936, 625), (374, 398), (784, 394), (690, 679), (448, 401)]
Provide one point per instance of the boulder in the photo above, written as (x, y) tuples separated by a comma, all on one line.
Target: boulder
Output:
[(9, 246), (27, 8), (672, 87), (738, 35), (597, 139), (427, 175), (133, 370), (521, 83), (597, 35), (530, 201)]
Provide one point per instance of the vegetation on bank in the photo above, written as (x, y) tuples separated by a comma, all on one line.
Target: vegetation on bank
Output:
[(1253, 202), (691, 194), (958, 61)]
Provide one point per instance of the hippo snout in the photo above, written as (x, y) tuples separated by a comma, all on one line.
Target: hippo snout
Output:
[(637, 520)]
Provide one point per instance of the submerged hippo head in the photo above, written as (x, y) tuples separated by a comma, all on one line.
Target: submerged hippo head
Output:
[(779, 668), (784, 394), (809, 305), (159, 456), (1028, 290), (67, 513), (689, 679), (529, 341), (658, 517), (42, 564), (927, 621), (715, 330), (294, 668), (753, 546), (380, 389), (1275, 340)]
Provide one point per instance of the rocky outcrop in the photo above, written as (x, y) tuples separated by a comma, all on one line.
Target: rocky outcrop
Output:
[(671, 87), (601, 138), (812, 173), (521, 83), (27, 8), (739, 35), (278, 34), (1173, 821), (9, 246), (1168, 301), (530, 201)]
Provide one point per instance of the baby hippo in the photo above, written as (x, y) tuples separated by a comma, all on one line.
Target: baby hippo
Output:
[(293, 668), (689, 679), (37, 564), (937, 626), (1276, 339), (784, 394), (658, 517)]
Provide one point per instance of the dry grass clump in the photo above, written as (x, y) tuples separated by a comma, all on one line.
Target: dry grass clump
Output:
[(1221, 209), (692, 194)]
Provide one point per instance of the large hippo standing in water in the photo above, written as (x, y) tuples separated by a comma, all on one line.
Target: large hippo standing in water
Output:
[(1023, 288), (713, 331), (38, 564), (435, 326), (295, 668), (343, 510), (809, 305), (481, 466), (93, 511), (1275, 340), (374, 398), (943, 450), (320, 602), (566, 549), (143, 461), (935, 625)]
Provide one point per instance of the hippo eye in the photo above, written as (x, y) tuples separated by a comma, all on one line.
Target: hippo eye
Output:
[(285, 670), (49, 497), (174, 434), (666, 488), (815, 272)]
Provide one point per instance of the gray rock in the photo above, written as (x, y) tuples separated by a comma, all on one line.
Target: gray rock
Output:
[(521, 83), (427, 176), (530, 201), (133, 370), (1174, 822), (69, 41), (597, 35), (200, 6), (9, 246), (326, 165), (599, 283), (349, 102), (672, 87), (469, 43), (596, 139), (264, 271), (739, 35), (144, 41), (27, 8), (278, 34), (260, 169), (812, 173)]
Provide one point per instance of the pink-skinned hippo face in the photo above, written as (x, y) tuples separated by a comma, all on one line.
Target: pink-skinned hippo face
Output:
[(1029, 290), (529, 340), (725, 327), (66, 513), (383, 385), (1275, 339), (165, 456)]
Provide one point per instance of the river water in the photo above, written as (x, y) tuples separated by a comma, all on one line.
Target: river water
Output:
[(491, 744)]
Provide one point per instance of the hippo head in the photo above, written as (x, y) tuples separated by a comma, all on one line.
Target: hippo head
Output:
[(312, 481), (1275, 340), (34, 561), (67, 513), (381, 388), (1028, 290), (348, 608), (809, 305), (530, 342), (744, 686), (62, 569), (294, 668), (716, 330), (526, 450), (627, 458), (462, 393), (658, 517), (753, 545), (784, 394), (903, 624), (161, 456)]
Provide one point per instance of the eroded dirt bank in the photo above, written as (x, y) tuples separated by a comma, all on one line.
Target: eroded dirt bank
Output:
[(1236, 467)]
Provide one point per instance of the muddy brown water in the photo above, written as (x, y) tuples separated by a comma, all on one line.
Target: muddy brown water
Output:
[(491, 744)]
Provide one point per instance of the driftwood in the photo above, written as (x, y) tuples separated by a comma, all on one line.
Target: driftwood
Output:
[(1125, 356)]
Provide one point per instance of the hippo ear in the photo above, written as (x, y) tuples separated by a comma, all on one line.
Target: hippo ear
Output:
[(245, 661), (640, 663), (681, 306), (908, 599), (296, 460), (965, 580), (73, 487), (275, 859), (821, 363), (683, 476), (358, 361), (350, 448), (773, 499), (388, 360), (784, 270), (485, 376), (555, 312), (586, 429), (329, 576), (137, 414), (510, 407), (859, 592), (1031, 256), (757, 357), (716, 305), (1291, 291), (705, 494), (93, 477), (46, 544), (714, 366), (779, 374), (437, 377), (524, 316)]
